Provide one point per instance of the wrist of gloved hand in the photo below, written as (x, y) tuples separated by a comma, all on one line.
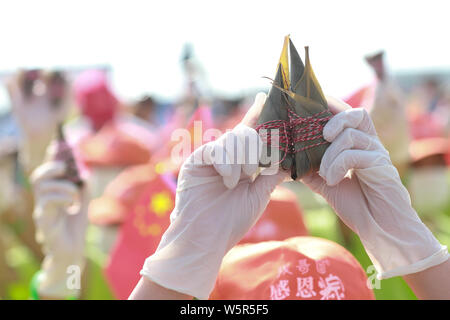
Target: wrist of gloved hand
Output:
[(397, 243)]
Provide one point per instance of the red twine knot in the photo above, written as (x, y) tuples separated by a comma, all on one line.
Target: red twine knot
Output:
[(296, 129)]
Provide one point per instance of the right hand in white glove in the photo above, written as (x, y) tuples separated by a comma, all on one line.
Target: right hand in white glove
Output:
[(216, 204), (358, 180), (60, 216)]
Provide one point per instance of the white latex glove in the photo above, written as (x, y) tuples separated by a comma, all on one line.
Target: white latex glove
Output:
[(215, 207), (37, 120), (60, 216), (359, 181)]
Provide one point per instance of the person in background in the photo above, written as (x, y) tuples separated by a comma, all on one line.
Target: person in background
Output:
[(430, 145), (385, 103), (39, 101), (196, 88), (144, 109), (103, 132), (388, 112), (298, 268), (442, 110), (9, 200), (428, 182), (145, 112), (430, 102), (106, 155), (105, 141)]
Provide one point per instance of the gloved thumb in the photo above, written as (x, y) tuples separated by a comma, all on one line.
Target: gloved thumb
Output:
[(251, 117)]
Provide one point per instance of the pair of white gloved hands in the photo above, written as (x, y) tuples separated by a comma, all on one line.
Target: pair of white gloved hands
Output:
[(217, 204)]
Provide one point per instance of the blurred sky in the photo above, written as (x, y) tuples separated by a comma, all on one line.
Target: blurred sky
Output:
[(237, 42)]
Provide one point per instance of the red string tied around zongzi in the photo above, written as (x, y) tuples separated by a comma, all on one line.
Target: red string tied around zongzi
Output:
[(296, 129)]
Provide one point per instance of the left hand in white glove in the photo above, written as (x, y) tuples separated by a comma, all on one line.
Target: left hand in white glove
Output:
[(216, 204), (60, 229), (358, 180)]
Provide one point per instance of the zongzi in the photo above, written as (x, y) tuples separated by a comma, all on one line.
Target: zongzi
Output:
[(295, 112)]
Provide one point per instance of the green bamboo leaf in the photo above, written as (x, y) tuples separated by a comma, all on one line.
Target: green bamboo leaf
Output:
[(296, 88), (309, 100), (275, 108)]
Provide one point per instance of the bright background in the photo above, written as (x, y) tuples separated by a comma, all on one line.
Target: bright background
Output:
[(237, 42)]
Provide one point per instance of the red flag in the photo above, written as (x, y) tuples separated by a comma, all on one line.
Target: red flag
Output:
[(146, 220)]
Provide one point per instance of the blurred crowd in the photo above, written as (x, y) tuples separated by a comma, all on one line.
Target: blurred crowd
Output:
[(120, 154)]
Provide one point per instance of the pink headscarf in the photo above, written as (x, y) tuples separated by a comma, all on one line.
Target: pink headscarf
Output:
[(95, 98)]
